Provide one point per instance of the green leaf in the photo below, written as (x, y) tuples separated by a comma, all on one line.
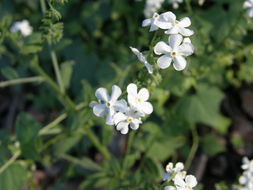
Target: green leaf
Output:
[(13, 178), (27, 134), (9, 73), (64, 145), (204, 107), (212, 145)]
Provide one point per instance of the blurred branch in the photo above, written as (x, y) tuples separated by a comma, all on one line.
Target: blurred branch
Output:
[(93, 138), (10, 161), (21, 81), (194, 148)]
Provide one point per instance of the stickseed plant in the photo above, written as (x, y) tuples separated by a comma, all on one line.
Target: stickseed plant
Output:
[(101, 95)]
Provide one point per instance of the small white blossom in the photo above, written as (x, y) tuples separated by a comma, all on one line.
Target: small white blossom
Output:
[(22, 26), (108, 105), (175, 52), (248, 4), (158, 21), (142, 59), (177, 26), (124, 120), (152, 6), (201, 2), (138, 100), (186, 183), (175, 3), (170, 170)]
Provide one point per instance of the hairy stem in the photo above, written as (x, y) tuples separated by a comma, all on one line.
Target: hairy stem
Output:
[(21, 81), (10, 161), (194, 148)]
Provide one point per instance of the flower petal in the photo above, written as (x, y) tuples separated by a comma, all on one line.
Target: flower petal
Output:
[(175, 40), (191, 181), (178, 180), (100, 110), (122, 127), (161, 48), (186, 49), (120, 105), (173, 30), (143, 94), (132, 89), (102, 94), (168, 16), (119, 117), (169, 188), (186, 32), (247, 4), (179, 63), (164, 61), (146, 107), (149, 67), (92, 104), (109, 117), (134, 125), (187, 40), (185, 22), (146, 22), (153, 28), (116, 92)]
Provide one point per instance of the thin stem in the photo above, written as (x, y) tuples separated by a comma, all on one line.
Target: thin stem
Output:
[(21, 81), (194, 148), (66, 100), (93, 138), (57, 70), (129, 142), (10, 161), (188, 6), (53, 54)]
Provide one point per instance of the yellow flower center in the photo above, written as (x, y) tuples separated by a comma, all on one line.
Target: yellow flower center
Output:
[(173, 53), (108, 104), (138, 100), (155, 15), (129, 120), (176, 22)]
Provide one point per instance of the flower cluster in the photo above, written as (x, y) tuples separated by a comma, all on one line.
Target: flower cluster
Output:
[(178, 47), (246, 179), (22, 26), (248, 4), (120, 113), (179, 180), (152, 6)]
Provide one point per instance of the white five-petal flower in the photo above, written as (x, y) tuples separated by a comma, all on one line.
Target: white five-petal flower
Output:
[(138, 100), (142, 59), (175, 52), (108, 105), (124, 120), (248, 4), (177, 26), (185, 184), (170, 169), (22, 26), (158, 21)]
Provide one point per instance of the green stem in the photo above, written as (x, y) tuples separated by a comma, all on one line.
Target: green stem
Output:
[(93, 138), (53, 54), (188, 6), (10, 161), (194, 148), (66, 100), (129, 142), (57, 70), (21, 81)]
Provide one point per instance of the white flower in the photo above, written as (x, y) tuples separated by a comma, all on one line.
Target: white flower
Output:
[(185, 184), (177, 27), (138, 100), (108, 105), (248, 4), (142, 59), (124, 120), (170, 169), (170, 188), (175, 3), (152, 6), (22, 26), (201, 2), (173, 52), (158, 21), (247, 164)]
